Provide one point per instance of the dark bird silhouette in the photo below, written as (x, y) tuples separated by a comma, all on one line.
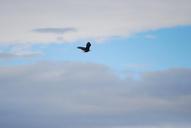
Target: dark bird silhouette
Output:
[(85, 49)]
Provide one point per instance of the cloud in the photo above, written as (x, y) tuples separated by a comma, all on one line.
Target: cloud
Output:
[(98, 19), (8, 55), (18, 51), (54, 30), (82, 95)]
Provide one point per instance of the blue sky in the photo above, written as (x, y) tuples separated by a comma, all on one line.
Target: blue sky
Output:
[(168, 48), (137, 74), (151, 50)]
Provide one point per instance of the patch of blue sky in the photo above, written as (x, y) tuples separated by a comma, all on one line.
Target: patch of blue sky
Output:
[(151, 50), (170, 48), (165, 48)]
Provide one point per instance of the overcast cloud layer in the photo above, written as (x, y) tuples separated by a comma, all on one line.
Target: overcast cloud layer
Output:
[(87, 95), (92, 19)]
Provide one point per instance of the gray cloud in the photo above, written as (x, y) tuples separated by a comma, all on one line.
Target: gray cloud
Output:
[(18, 51), (98, 19), (54, 30), (83, 95), (9, 55)]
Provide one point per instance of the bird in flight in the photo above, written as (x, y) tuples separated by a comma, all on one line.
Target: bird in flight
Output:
[(85, 49)]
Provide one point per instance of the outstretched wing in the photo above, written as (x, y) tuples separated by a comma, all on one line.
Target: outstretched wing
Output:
[(82, 48), (88, 45), (85, 49)]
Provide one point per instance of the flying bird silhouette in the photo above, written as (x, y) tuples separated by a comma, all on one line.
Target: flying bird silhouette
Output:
[(85, 49)]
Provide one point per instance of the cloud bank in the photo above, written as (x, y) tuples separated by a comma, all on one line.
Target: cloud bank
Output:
[(83, 95), (98, 19)]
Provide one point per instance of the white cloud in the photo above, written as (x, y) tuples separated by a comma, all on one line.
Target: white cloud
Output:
[(9, 55), (18, 51), (93, 19), (76, 95)]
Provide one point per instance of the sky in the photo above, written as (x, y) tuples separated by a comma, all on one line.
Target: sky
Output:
[(137, 74)]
